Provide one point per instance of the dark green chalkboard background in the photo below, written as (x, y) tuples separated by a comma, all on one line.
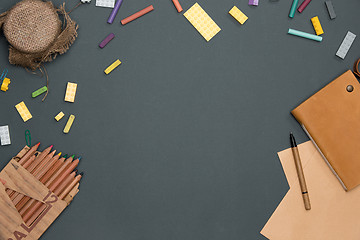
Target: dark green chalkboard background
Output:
[(179, 142)]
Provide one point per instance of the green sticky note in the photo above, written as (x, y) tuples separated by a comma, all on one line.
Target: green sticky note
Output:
[(39, 92)]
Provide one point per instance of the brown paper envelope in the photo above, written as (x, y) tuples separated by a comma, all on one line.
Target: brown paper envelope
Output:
[(335, 214)]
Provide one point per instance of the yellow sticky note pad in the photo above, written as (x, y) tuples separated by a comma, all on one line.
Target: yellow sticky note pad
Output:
[(69, 123), (238, 15), (112, 66), (23, 111), (70, 92), (59, 116), (202, 22)]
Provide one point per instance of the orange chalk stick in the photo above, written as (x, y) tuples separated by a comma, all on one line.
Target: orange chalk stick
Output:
[(137, 15), (177, 5)]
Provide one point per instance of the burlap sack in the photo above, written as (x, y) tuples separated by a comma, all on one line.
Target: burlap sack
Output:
[(35, 32)]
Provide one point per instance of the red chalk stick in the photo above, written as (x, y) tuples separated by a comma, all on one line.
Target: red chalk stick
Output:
[(303, 5), (177, 5), (137, 15)]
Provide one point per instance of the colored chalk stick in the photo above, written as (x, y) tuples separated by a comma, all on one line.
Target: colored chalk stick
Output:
[(254, 2), (317, 26), (177, 5), (69, 123), (39, 91), (107, 40), (59, 116), (330, 9), (304, 35), (238, 15), (293, 8), (112, 66), (114, 11), (137, 15), (303, 5)]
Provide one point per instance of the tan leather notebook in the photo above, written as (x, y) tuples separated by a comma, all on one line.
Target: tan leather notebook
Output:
[(331, 118)]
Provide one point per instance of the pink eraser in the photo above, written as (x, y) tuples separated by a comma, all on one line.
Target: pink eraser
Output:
[(106, 40)]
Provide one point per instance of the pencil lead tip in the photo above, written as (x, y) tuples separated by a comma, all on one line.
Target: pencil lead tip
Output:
[(82, 173), (73, 156), (65, 156), (79, 158), (38, 144), (51, 146), (60, 154)]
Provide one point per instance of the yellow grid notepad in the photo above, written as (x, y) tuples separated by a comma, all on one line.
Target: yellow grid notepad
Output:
[(23, 111), (238, 15), (70, 92), (202, 22)]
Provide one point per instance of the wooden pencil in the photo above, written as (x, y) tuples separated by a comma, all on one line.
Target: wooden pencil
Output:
[(32, 166), (25, 206), (44, 178), (38, 174), (71, 186), (36, 169), (37, 207), (67, 180), (29, 154)]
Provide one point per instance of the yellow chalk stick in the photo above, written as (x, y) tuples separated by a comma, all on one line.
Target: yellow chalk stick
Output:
[(69, 123), (238, 15), (317, 26), (59, 116), (112, 66)]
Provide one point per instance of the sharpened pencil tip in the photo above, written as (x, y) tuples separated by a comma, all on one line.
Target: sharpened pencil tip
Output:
[(79, 158), (73, 156), (82, 173), (51, 146), (38, 144), (60, 154)]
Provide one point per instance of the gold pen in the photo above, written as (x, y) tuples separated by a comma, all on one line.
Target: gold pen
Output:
[(300, 172)]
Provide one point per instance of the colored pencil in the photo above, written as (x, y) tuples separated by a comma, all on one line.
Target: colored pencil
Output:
[(68, 189), (37, 207)]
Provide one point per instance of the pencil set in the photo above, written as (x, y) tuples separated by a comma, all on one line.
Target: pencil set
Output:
[(35, 187)]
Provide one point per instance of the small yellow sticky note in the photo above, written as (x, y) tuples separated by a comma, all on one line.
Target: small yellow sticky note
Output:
[(70, 92), (238, 15), (23, 111), (112, 66), (59, 116), (69, 123), (202, 22)]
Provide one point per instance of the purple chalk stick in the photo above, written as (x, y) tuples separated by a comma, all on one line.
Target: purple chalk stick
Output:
[(106, 40), (254, 2), (114, 11)]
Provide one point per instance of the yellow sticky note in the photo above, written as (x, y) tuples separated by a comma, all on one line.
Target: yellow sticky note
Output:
[(238, 15), (70, 92), (23, 111), (112, 66), (59, 116), (69, 123), (202, 22)]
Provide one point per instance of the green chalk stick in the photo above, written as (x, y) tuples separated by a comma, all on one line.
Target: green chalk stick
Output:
[(304, 35), (293, 8), (39, 92)]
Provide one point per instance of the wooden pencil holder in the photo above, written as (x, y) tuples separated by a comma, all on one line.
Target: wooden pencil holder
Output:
[(17, 178)]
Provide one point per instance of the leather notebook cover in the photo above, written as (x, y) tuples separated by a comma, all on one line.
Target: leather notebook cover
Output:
[(331, 118)]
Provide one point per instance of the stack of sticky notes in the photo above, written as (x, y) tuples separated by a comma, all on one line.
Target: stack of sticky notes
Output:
[(202, 22), (5, 135), (70, 92), (23, 111)]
